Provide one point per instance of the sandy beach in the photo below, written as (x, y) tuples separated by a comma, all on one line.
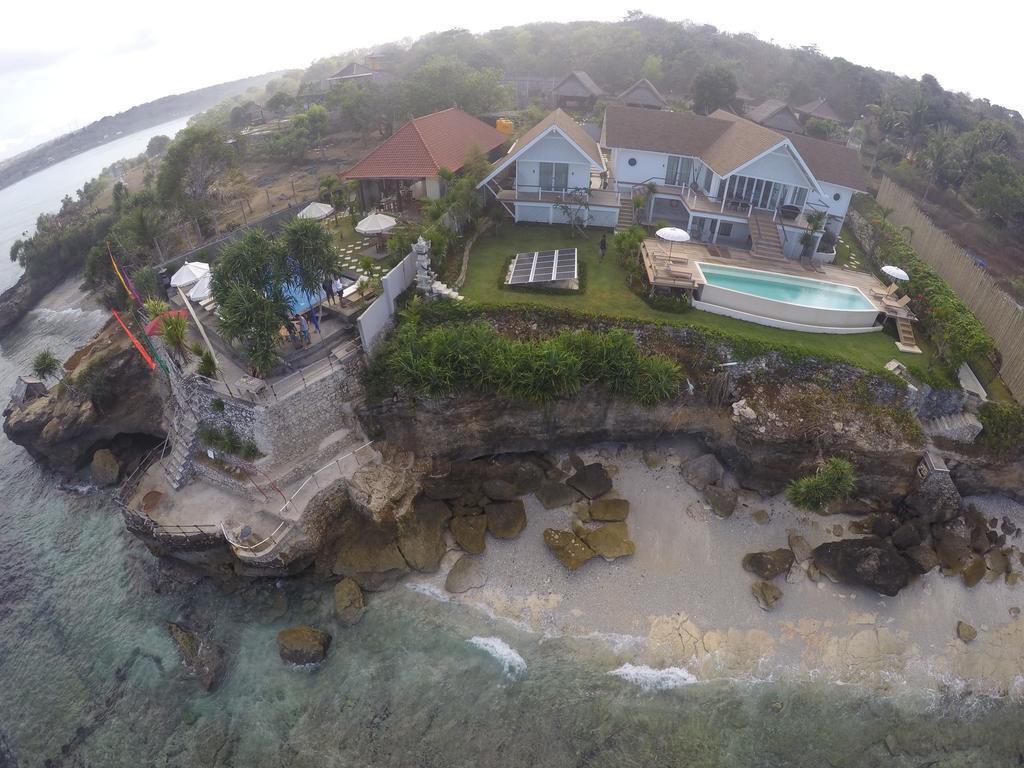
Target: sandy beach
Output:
[(683, 600)]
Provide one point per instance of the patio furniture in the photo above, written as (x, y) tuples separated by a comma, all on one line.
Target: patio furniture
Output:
[(881, 293), (789, 212), (891, 303)]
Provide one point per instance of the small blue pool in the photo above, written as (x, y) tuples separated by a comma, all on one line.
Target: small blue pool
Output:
[(792, 289), (299, 301)]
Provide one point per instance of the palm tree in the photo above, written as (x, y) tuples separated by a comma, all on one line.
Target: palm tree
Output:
[(938, 155), (308, 247), (889, 120), (45, 365), (174, 332), (330, 188)]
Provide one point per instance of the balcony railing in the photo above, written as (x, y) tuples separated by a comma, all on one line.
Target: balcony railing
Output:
[(532, 193)]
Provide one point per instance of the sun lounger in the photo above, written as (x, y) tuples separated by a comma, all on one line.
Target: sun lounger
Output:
[(894, 304), (881, 293)]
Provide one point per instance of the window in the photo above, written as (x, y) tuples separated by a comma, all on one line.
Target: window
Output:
[(631, 162), (725, 229), (678, 170), (707, 180), (554, 176), (837, 197)]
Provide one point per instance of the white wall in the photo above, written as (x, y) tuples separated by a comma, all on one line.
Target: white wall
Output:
[(549, 214), (777, 166), (648, 165), (768, 309), (838, 207), (432, 187)]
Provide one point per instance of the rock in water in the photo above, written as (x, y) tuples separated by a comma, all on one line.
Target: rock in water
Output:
[(469, 532), (610, 541), (202, 658), (499, 490), (505, 519), (768, 565), (965, 631), (703, 471), (722, 500), (592, 480), (554, 494), (421, 534), (348, 602), (303, 645), (569, 548), (369, 554), (922, 557), (800, 548), (766, 594), (467, 573), (105, 468), (868, 562), (609, 510)]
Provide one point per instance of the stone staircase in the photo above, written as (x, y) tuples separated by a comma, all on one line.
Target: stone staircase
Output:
[(178, 464), (960, 427), (627, 215), (440, 289)]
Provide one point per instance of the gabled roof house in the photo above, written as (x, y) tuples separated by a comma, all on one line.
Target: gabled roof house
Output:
[(819, 108), (642, 93), (773, 113), (418, 150), (360, 73), (577, 90)]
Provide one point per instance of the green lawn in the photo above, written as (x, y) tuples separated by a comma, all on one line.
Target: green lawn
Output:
[(607, 294)]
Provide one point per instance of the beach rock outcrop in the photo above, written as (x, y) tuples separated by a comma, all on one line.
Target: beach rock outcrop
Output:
[(722, 500), (868, 562), (922, 557), (933, 498), (799, 547), (105, 469), (303, 645), (703, 471), (768, 565), (421, 534), (368, 553), (467, 573), (609, 510), (470, 532), (592, 480), (497, 489), (766, 594), (377, 491), (505, 519), (348, 602), (610, 541), (202, 658), (570, 549), (554, 494)]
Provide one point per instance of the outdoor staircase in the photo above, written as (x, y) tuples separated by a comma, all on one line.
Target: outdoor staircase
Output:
[(442, 289), (627, 216), (961, 427), (177, 467), (765, 236), (907, 342)]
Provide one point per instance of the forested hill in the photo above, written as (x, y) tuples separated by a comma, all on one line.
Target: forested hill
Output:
[(137, 118)]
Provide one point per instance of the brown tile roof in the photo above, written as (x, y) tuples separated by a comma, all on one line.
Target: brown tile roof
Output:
[(831, 162), (765, 110), (724, 141), (583, 79), (642, 93), (570, 128), (819, 108), (426, 144)]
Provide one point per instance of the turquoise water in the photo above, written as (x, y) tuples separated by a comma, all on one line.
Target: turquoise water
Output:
[(788, 288)]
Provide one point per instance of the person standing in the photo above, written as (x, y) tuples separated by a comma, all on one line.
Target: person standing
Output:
[(602, 246), (328, 286), (304, 331)]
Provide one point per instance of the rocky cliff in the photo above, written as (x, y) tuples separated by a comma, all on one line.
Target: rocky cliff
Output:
[(111, 400), (17, 300)]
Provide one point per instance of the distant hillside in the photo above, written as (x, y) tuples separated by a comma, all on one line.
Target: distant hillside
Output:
[(111, 127)]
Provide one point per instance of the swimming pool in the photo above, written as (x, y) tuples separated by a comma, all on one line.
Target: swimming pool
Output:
[(784, 301)]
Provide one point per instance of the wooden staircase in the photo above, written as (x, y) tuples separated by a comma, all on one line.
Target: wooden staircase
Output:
[(907, 342), (765, 237), (627, 215)]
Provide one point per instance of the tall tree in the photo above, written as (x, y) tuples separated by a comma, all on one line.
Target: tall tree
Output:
[(939, 157), (310, 256), (714, 88), (193, 161)]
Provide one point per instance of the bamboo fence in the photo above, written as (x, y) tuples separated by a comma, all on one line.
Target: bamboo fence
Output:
[(1002, 317)]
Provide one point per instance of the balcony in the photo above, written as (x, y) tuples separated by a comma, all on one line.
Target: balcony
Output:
[(605, 198)]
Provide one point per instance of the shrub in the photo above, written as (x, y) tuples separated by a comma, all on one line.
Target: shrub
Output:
[(155, 307), (1003, 427), (196, 347), (833, 481), (249, 451), (95, 382), (217, 405), (207, 366)]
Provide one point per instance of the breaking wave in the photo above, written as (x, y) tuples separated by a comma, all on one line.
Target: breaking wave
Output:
[(511, 662), (651, 679)]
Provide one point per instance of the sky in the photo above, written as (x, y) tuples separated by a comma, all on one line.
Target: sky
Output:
[(71, 63)]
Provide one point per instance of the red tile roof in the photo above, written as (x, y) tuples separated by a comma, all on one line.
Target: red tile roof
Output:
[(426, 144)]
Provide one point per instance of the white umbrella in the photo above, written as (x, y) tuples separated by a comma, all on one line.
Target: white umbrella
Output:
[(315, 211), (895, 273), (201, 290), (189, 273), (376, 224), (673, 235)]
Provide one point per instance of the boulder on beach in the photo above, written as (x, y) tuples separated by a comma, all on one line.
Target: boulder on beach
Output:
[(922, 557), (906, 536), (303, 645), (703, 471), (497, 489), (467, 573), (470, 532), (592, 480), (610, 541), (348, 602), (800, 548), (766, 594), (554, 494), (202, 658), (768, 565), (369, 553), (722, 500), (421, 533), (570, 549), (868, 562), (973, 570), (505, 519), (965, 631), (609, 510), (952, 544), (526, 477), (105, 468)]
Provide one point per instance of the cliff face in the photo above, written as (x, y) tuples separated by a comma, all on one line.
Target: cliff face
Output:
[(66, 426), (17, 300)]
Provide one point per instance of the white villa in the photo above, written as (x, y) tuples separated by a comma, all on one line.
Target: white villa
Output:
[(728, 181)]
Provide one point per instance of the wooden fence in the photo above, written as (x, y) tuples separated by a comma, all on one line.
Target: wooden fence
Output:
[(1002, 317)]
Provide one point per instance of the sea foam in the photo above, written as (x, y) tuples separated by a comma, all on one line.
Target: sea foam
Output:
[(651, 679), (511, 662)]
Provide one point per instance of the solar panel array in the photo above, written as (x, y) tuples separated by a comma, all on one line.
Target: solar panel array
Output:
[(543, 266)]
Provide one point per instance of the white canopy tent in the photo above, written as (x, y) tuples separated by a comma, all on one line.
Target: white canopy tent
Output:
[(376, 224), (189, 273), (315, 211)]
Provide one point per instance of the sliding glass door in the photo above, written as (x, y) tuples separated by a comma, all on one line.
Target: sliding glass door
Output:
[(678, 171), (761, 193), (554, 177)]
